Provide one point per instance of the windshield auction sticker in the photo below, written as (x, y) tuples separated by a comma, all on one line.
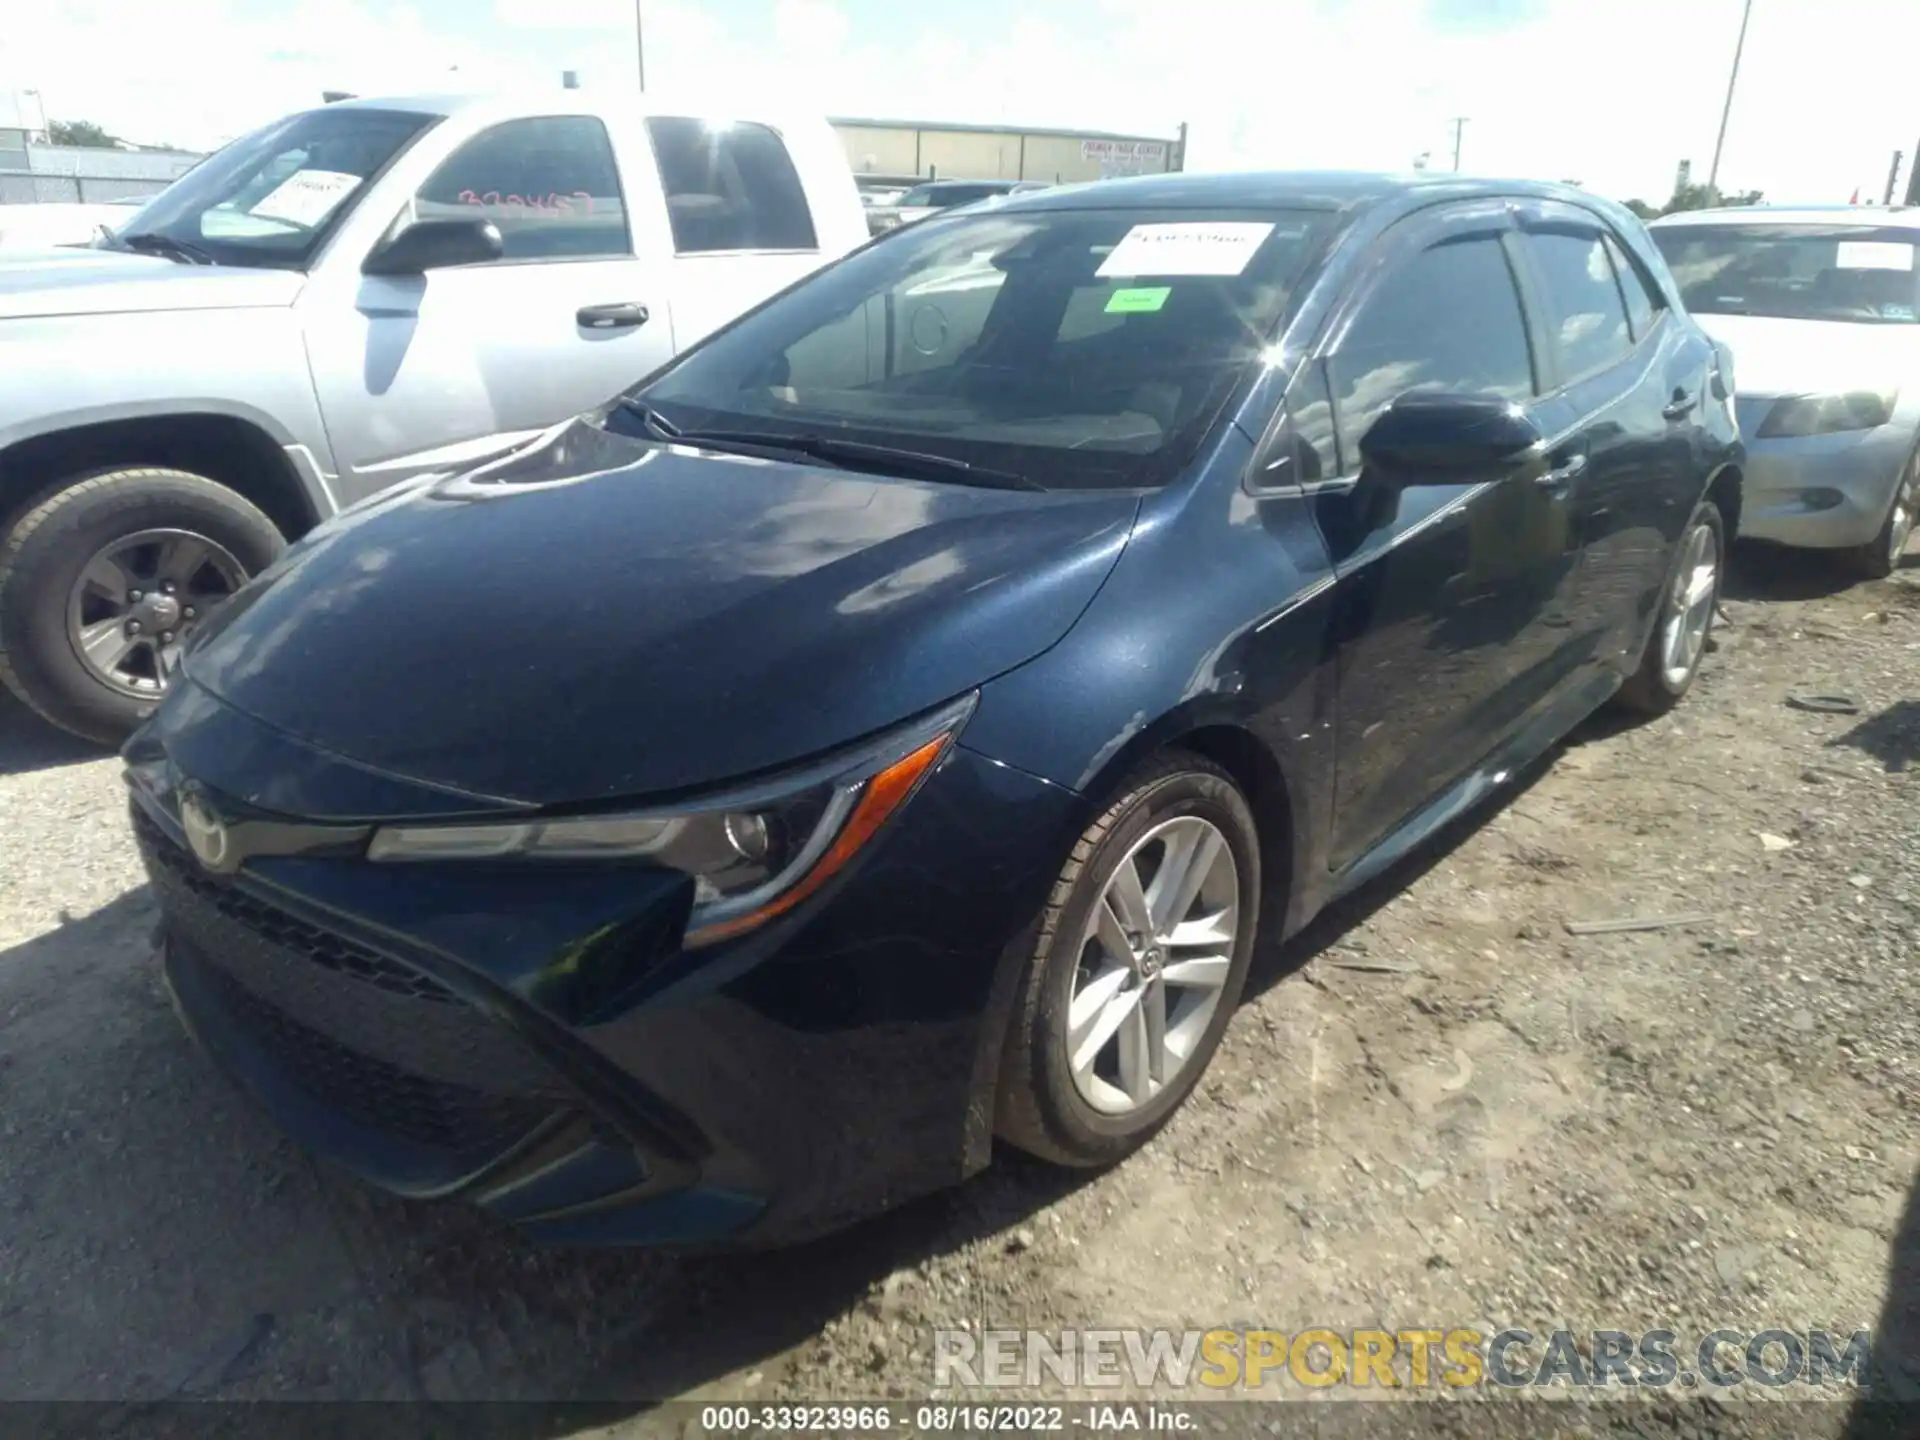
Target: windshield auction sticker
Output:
[(1188, 248), (306, 197)]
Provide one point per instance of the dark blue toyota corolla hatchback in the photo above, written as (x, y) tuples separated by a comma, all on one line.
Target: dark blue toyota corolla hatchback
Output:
[(894, 724)]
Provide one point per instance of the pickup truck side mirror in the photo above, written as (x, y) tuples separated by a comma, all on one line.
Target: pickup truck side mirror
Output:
[(1438, 439), (435, 245)]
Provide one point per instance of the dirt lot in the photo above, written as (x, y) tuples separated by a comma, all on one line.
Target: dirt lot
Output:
[(1439, 1108)]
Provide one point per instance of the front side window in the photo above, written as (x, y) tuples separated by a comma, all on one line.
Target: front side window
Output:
[(1447, 320), (1584, 309), (1860, 273), (271, 198), (550, 184), (1075, 347), (730, 187)]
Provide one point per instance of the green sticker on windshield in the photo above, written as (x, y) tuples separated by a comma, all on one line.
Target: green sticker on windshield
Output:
[(1138, 302)]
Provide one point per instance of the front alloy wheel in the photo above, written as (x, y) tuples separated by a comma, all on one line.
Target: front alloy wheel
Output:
[(139, 598), (1139, 959), (1881, 556), (1154, 956)]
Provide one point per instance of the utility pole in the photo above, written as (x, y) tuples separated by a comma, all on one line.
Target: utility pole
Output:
[(640, 45), (1459, 124), (1713, 172), (1893, 176), (1913, 179)]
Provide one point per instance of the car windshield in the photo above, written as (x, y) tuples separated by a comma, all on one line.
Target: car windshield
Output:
[(271, 198), (1795, 272), (1071, 347)]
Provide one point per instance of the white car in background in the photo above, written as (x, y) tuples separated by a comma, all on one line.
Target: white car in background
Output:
[(1822, 311), (53, 225)]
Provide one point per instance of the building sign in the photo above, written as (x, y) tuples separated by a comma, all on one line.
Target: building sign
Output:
[(1126, 157)]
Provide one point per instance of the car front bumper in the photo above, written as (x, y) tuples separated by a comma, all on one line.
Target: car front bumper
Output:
[(1819, 491), (531, 1039)]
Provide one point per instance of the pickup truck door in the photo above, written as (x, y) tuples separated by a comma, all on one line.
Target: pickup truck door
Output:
[(744, 223), (436, 371)]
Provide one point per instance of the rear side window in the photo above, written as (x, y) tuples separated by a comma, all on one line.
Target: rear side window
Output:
[(1448, 319), (1585, 311), (549, 184), (730, 187), (1643, 306)]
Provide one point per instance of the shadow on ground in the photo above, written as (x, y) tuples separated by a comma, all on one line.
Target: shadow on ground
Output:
[(1892, 737), (160, 1242), (1893, 1410), (28, 743)]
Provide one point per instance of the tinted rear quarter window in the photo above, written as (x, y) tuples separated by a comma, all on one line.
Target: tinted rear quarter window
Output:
[(1643, 304), (1586, 314), (730, 187), (550, 184), (1448, 319)]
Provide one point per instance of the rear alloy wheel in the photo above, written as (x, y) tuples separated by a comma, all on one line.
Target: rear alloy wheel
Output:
[(1142, 954), (1679, 639), (102, 584), (1880, 556)]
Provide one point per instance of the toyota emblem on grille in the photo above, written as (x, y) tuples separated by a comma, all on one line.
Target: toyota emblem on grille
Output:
[(206, 831)]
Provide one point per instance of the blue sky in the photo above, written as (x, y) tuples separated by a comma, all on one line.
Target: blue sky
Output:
[(1612, 93)]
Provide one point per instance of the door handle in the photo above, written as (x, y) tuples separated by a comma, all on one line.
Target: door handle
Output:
[(612, 317), (1563, 474), (1682, 406)]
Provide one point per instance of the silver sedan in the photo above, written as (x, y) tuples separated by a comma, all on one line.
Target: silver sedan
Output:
[(1822, 311)]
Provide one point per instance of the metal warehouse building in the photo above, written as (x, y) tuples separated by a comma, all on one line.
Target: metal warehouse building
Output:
[(979, 152)]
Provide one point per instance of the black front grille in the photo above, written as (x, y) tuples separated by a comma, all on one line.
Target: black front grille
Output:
[(363, 1035), (457, 1121), (282, 930)]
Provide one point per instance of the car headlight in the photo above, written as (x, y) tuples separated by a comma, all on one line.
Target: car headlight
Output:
[(752, 853), (1801, 415)]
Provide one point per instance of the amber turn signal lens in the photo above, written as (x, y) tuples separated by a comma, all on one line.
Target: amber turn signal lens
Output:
[(883, 795)]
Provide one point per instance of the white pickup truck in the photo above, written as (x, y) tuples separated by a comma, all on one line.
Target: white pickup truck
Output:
[(347, 298)]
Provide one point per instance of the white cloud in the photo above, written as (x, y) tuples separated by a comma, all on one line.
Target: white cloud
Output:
[(1612, 95)]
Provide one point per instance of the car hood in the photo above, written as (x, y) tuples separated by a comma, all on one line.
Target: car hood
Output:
[(1806, 357), (597, 617), (100, 282)]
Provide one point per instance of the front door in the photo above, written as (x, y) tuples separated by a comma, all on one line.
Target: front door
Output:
[(419, 373), (1447, 594)]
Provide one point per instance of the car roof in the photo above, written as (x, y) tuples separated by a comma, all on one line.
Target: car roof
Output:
[(512, 104), (1284, 189), (1866, 216)]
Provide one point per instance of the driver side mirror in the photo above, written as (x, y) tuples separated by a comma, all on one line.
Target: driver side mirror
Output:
[(436, 245), (1425, 438)]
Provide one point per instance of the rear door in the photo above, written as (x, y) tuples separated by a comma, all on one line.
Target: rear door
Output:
[(1620, 410), (417, 373), (742, 220), (1444, 592)]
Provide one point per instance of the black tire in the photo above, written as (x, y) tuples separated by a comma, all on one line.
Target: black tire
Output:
[(1649, 690), (41, 560), (1880, 556), (1039, 1110)]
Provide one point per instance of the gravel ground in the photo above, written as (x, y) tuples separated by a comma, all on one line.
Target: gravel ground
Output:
[(1439, 1108)]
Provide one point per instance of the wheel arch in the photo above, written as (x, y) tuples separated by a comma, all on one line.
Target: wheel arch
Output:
[(1221, 735), (233, 450), (1723, 492)]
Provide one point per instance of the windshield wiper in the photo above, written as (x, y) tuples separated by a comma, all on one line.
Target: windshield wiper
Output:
[(158, 244), (842, 454)]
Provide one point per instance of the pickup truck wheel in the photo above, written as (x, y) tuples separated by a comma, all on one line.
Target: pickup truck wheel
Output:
[(102, 583)]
